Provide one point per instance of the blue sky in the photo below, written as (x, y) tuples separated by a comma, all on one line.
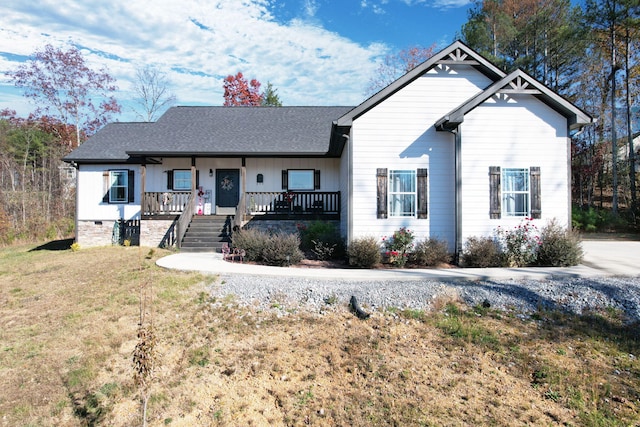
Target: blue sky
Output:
[(314, 52)]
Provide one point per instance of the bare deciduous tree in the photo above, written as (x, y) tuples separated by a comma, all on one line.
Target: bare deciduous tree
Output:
[(153, 95)]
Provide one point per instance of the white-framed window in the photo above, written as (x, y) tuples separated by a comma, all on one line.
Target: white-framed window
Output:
[(119, 186), (516, 195), (402, 193), (182, 180)]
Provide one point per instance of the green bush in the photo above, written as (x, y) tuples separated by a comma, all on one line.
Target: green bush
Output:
[(589, 219), (364, 252), (559, 247), (322, 238), (431, 252), (482, 252), (282, 250), (253, 242)]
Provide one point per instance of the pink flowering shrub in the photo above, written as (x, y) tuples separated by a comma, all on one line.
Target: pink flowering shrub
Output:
[(519, 244), (398, 246)]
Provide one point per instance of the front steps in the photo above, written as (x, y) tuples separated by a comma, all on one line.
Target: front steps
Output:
[(206, 233)]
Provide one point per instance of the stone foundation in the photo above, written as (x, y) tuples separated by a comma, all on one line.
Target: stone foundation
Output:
[(95, 233), (157, 233)]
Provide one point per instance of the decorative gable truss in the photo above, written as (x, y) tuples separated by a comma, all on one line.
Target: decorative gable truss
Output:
[(517, 82)]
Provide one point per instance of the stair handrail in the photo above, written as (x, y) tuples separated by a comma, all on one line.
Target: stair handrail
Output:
[(185, 218)]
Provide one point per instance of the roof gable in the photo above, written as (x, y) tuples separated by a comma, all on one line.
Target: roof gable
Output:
[(517, 82), (455, 54)]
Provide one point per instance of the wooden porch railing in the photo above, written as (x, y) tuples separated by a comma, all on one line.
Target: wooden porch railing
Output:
[(298, 203), (165, 203), (185, 218)]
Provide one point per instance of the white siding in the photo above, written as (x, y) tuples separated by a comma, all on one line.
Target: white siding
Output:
[(91, 190), (270, 168), (399, 134), (516, 132)]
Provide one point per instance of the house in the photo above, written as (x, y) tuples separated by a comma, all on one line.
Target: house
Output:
[(453, 149)]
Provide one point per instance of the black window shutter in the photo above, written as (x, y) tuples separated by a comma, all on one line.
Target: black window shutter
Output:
[(381, 175), (285, 179), (495, 208), (536, 199), (316, 179), (105, 186), (422, 193), (197, 178), (131, 183), (170, 180)]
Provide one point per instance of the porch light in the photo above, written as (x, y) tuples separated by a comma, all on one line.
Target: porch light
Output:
[(259, 178), (210, 172)]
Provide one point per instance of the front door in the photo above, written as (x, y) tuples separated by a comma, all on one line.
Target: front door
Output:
[(227, 191)]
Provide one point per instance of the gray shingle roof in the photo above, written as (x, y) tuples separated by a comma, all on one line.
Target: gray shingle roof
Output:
[(217, 131), (110, 144)]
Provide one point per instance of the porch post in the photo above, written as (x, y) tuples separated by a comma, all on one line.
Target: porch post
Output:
[(193, 174), (143, 184)]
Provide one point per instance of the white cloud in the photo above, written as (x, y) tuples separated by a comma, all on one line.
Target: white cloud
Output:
[(197, 43), (439, 4)]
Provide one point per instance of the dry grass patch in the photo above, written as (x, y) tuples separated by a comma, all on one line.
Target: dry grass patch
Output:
[(71, 321)]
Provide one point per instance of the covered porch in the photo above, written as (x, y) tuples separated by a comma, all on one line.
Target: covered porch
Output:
[(272, 204)]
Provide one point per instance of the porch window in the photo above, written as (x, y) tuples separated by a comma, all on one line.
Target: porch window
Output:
[(402, 193), (180, 179), (301, 179)]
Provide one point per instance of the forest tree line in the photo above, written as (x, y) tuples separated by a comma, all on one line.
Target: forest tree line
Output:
[(588, 53)]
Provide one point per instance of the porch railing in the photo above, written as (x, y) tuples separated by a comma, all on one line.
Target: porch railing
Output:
[(185, 218), (165, 203), (299, 202)]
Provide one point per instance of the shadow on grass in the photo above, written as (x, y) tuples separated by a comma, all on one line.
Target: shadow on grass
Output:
[(54, 245)]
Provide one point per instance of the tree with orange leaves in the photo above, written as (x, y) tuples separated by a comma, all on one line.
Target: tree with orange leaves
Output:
[(239, 91)]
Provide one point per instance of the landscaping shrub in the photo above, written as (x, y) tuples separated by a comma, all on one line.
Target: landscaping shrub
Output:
[(364, 252), (322, 250), (269, 248), (519, 244), (322, 239), (431, 252), (559, 247), (398, 246), (482, 252), (282, 250), (253, 242)]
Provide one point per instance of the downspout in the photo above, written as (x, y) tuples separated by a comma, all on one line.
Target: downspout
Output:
[(349, 198), (458, 192), (458, 197), (77, 168)]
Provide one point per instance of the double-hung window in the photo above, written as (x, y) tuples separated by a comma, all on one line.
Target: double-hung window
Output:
[(402, 193), (515, 191), (118, 186)]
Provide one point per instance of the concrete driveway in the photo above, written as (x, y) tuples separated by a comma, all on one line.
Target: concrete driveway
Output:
[(602, 258)]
